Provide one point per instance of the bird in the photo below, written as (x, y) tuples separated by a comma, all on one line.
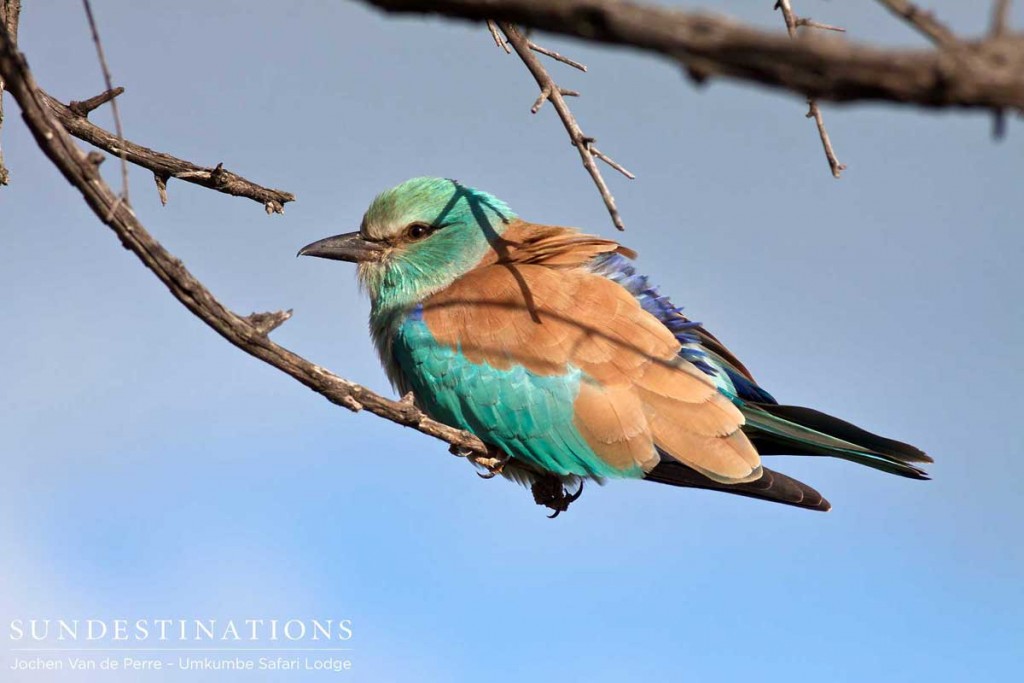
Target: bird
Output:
[(547, 344)]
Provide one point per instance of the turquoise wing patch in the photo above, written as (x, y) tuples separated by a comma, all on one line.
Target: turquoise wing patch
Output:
[(528, 416)]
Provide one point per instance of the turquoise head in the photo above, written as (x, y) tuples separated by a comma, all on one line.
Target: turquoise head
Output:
[(417, 238)]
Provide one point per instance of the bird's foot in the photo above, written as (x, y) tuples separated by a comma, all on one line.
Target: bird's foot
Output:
[(494, 463), (552, 494)]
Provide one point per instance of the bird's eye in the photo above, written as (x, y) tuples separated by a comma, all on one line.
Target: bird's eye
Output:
[(418, 231)]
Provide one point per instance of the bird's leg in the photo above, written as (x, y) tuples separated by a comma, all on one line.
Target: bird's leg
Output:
[(552, 494)]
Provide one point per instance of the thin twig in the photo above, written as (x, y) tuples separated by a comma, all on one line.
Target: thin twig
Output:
[(811, 23), (498, 40), (1000, 18), (557, 57), (549, 90), (826, 142), (113, 102), (922, 20), (999, 28), (10, 10), (165, 166), (792, 23), (611, 162)]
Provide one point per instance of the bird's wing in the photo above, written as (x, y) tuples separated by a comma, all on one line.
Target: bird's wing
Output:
[(578, 348), (699, 346)]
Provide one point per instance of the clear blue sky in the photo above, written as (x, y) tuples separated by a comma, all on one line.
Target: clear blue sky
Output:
[(150, 469)]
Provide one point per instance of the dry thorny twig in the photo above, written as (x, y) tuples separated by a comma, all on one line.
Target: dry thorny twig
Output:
[(74, 118), (793, 23), (552, 92)]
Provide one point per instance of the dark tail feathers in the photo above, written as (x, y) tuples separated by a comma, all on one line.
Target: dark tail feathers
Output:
[(772, 486), (793, 430)]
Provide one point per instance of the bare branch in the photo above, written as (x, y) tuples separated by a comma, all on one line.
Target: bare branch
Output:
[(113, 103), (248, 333), (165, 166), (980, 75), (792, 23), (924, 21), (10, 11), (549, 90)]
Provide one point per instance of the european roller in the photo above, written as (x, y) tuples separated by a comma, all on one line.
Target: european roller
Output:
[(546, 343)]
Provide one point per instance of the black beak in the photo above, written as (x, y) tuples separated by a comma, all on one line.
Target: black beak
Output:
[(351, 246)]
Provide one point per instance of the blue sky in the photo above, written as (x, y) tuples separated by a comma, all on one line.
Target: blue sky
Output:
[(151, 469)]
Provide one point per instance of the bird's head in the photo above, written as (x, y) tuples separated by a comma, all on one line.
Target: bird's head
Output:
[(418, 238)]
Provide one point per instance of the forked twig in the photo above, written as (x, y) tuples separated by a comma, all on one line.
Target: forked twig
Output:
[(793, 22), (550, 91), (162, 165)]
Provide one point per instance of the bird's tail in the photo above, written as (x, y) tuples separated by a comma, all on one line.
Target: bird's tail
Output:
[(772, 486), (793, 430)]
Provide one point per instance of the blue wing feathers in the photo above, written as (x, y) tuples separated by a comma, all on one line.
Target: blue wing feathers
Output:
[(618, 268)]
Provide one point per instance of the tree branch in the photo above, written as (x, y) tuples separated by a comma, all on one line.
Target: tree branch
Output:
[(248, 333), (163, 166), (982, 75), (549, 90), (10, 10)]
